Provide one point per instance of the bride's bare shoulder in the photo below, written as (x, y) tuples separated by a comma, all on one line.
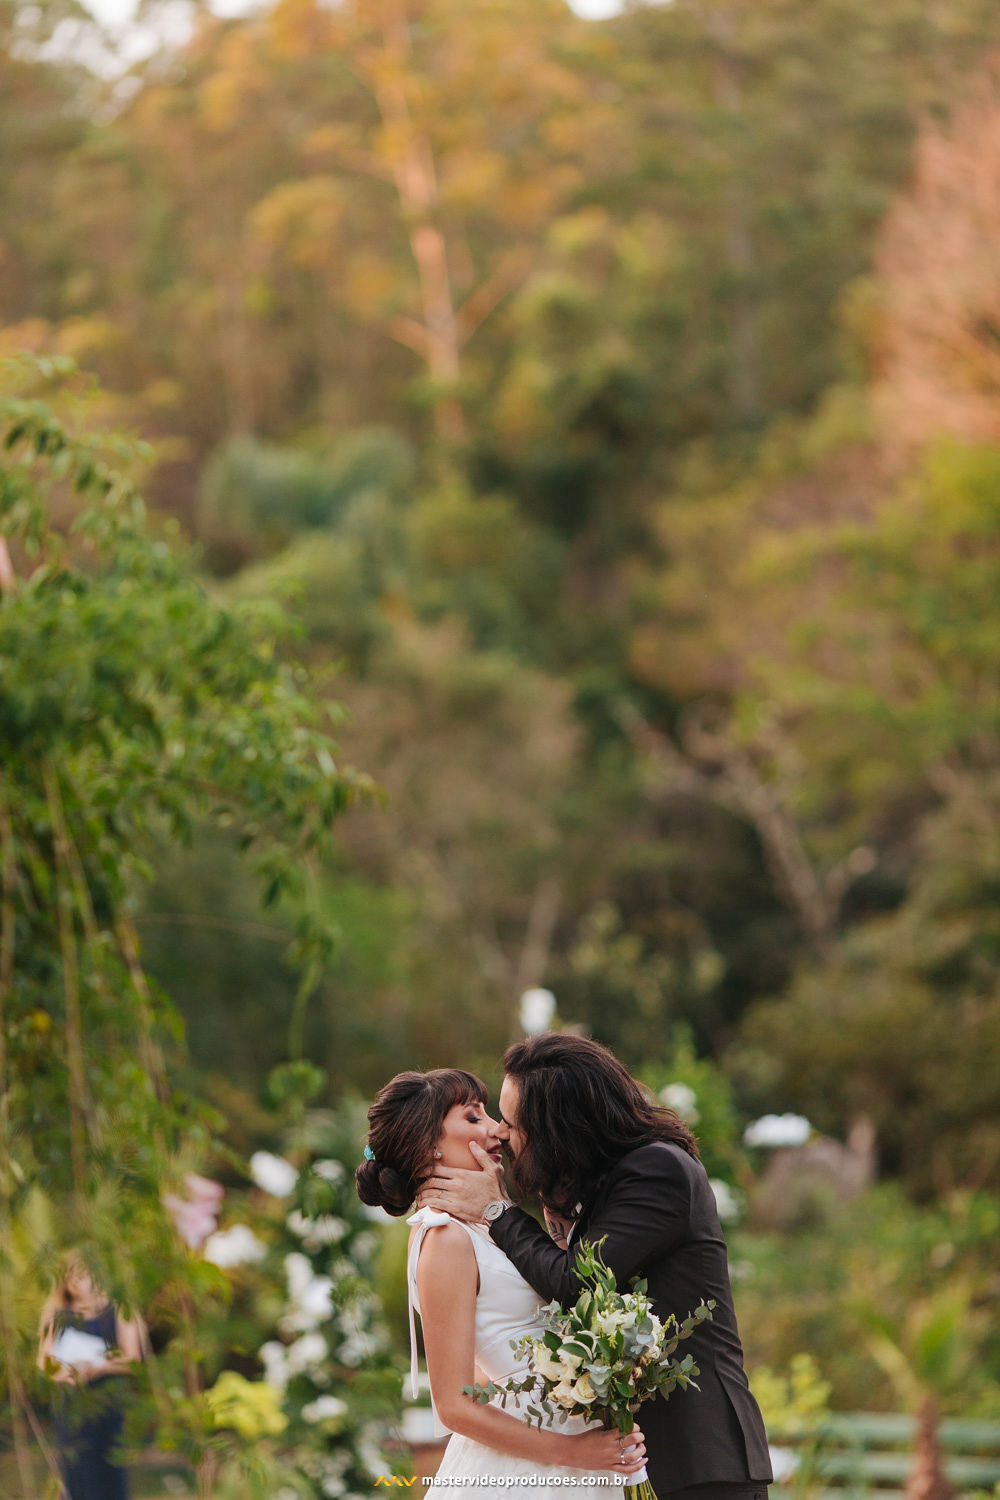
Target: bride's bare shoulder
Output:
[(448, 1239), (446, 1249)]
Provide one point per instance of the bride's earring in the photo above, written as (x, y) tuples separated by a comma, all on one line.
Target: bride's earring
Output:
[(437, 1155)]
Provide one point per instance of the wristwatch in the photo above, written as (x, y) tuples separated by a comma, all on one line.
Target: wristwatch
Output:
[(493, 1210)]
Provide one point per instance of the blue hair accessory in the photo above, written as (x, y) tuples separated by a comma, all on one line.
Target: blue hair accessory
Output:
[(369, 1154)]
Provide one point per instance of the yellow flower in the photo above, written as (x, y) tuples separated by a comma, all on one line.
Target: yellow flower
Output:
[(251, 1407)]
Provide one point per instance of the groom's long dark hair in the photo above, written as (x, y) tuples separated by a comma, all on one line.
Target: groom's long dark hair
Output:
[(580, 1111)]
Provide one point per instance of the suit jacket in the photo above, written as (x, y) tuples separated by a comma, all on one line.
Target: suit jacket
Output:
[(658, 1211)]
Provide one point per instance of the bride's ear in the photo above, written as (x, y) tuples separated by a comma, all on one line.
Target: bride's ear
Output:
[(429, 1169)]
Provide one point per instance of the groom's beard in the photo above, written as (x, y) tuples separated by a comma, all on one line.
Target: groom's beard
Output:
[(525, 1188), (514, 1179)]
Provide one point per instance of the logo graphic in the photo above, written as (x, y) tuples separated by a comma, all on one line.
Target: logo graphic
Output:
[(390, 1479)]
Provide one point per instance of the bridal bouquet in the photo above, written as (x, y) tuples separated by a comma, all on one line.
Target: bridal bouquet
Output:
[(602, 1358)]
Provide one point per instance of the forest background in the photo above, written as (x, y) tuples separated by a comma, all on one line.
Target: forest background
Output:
[(614, 412)]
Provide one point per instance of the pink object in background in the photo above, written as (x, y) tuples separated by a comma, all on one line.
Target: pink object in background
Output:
[(197, 1215)]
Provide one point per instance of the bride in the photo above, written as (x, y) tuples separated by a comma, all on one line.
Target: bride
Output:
[(472, 1301)]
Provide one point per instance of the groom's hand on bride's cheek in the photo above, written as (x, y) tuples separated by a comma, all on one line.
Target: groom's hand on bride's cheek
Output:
[(464, 1194)]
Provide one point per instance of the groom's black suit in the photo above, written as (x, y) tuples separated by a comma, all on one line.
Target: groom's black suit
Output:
[(657, 1211)]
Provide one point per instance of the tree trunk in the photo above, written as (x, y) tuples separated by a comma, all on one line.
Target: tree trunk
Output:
[(928, 1480), (415, 176)]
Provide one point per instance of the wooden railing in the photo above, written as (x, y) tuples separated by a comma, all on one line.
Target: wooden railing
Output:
[(861, 1452)]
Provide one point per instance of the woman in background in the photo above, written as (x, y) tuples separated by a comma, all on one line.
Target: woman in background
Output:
[(88, 1408)]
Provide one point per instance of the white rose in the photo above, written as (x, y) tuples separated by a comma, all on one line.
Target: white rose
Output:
[(273, 1357), (310, 1296), (569, 1364), (544, 1362), (609, 1323), (323, 1409), (563, 1394), (727, 1200), (331, 1170), (315, 1233), (273, 1173), (308, 1351), (778, 1130), (682, 1099), (585, 1392), (235, 1246)]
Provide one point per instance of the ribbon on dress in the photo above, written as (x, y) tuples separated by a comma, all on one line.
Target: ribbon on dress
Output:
[(423, 1219)]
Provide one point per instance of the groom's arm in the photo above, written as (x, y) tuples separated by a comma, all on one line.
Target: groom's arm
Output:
[(645, 1214)]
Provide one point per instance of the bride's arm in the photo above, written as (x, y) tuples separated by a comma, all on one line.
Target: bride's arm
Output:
[(447, 1279)]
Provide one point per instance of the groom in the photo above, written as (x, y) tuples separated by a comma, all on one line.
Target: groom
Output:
[(607, 1164)]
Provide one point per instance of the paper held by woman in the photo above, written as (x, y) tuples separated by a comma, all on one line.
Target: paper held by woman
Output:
[(77, 1349)]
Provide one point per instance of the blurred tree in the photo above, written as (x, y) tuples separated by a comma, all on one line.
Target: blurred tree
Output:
[(773, 138), (44, 119), (880, 1266), (886, 704), (680, 662), (130, 703)]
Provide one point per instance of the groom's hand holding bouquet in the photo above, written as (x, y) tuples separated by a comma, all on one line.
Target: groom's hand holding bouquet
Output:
[(601, 1358)]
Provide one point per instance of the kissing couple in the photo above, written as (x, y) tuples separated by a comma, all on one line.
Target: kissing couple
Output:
[(583, 1138)]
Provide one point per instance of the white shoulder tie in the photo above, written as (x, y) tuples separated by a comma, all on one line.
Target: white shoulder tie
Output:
[(424, 1219)]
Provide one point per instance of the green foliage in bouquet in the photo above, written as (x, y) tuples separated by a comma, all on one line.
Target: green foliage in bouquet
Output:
[(603, 1357)]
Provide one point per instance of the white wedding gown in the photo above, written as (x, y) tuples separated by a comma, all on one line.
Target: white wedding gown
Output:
[(505, 1311)]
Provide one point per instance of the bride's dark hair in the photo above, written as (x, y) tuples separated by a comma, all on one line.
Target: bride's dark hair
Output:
[(404, 1126), (580, 1111)]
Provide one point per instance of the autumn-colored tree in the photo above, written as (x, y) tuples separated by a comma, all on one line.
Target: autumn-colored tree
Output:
[(938, 264), (322, 184)]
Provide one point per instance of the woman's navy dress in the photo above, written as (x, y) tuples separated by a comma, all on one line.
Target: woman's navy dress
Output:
[(88, 1422)]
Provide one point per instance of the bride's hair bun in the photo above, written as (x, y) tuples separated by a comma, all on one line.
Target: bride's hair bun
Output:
[(384, 1187), (404, 1127)]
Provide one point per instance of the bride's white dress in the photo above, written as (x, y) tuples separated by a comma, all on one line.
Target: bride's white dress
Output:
[(505, 1311)]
